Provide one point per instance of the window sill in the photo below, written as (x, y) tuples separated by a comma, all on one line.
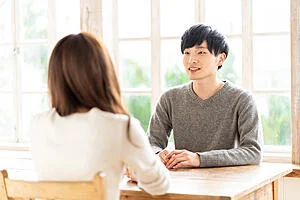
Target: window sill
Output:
[(14, 146), (277, 157)]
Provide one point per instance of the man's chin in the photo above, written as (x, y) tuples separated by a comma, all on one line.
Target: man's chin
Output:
[(193, 78)]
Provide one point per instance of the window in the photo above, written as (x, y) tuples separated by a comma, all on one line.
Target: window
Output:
[(28, 31), (144, 39), (146, 47)]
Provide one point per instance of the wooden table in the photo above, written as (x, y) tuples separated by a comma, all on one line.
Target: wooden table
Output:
[(223, 183)]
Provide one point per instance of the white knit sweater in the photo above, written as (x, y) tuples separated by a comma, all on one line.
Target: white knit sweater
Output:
[(79, 145)]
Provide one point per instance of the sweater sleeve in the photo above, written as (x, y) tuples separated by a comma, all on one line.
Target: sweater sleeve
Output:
[(151, 174), (250, 142), (160, 125)]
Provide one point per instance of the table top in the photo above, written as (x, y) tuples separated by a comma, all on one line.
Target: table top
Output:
[(222, 182)]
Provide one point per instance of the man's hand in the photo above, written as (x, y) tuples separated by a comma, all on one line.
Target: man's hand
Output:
[(162, 155), (182, 158)]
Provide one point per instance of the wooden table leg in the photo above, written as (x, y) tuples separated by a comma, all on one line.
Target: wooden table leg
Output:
[(275, 190)]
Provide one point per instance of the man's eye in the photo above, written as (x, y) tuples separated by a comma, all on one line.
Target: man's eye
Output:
[(186, 52), (201, 52)]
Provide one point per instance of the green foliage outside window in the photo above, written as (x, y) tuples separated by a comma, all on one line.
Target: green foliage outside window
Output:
[(34, 22), (135, 75), (175, 76), (227, 71), (138, 106), (276, 122)]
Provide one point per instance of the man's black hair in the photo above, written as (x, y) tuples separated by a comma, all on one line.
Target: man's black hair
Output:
[(195, 35)]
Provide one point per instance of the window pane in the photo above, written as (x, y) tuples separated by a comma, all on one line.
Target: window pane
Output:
[(276, 19), (6, 67), (67, 20), (7, 117), (275, 113), (171, 64), (139, 107), (34, 68), (32, 105), (134, 18), (232, 67), (176, 16), (5, 21), (271, 60), (34, 16), (135, 64), (216, 10)]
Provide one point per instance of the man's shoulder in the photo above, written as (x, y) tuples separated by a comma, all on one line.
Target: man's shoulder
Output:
[(239, 94), (236, 90)]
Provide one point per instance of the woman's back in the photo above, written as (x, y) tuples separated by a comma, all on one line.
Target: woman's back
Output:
[(76, 146)]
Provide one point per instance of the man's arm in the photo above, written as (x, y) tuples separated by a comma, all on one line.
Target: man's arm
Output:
[(249, 150), (160, 125)]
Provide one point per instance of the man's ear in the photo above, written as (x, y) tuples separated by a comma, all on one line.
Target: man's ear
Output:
[(221, 58)]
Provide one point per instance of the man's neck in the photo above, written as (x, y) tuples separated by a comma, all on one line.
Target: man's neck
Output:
[(206, 89)]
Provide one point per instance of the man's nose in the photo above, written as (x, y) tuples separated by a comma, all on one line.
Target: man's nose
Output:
[(193, 59)]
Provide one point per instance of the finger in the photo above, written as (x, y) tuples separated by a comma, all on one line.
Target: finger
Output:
[(174, 156), (181, 164), (162, 156), (174, 160), (174, 152), (166, 151), (174, 163), (163, 160), (127, 172), (171, 160)]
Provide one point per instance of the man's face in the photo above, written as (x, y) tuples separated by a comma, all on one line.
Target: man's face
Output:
[(200, 63)]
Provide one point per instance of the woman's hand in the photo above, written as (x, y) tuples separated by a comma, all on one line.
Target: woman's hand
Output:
[(130, 174)]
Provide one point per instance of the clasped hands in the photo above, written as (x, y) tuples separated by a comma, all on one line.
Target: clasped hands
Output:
[(179, 158), (173, 160)]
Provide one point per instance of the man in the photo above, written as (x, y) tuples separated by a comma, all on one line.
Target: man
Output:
[(214, 122)]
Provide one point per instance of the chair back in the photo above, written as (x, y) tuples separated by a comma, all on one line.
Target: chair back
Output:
[(62, 190)]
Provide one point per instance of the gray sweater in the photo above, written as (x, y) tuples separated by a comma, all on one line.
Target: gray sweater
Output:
[(224, 129)]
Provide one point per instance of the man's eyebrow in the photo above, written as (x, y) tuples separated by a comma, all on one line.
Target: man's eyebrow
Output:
[(200, 47)]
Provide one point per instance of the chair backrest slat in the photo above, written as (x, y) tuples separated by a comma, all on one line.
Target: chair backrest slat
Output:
[(73, 190), (3, 193)]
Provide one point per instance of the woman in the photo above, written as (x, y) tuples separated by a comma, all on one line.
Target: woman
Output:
[(88, 130)]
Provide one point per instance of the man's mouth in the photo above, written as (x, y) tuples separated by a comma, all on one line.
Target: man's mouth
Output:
[(193, 69)]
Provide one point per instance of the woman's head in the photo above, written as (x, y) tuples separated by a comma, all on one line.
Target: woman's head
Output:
[(82, 75)]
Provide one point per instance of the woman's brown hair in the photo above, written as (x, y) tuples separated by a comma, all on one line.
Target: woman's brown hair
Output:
[(82, 75)]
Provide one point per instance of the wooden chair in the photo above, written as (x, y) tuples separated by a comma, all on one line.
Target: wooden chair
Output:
[(63, 190)]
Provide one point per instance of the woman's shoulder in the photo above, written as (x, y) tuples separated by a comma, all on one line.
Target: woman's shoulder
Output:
[(44, 115), (113, 118), (100, 114)]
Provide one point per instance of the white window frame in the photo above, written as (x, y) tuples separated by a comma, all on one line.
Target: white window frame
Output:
[(17, 141), (271, 152)]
